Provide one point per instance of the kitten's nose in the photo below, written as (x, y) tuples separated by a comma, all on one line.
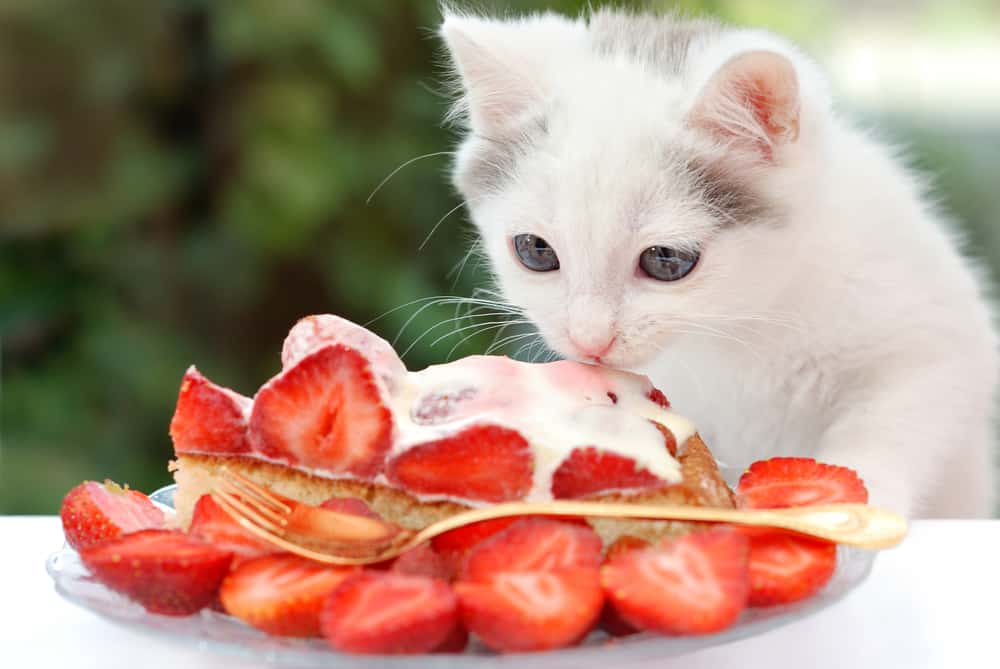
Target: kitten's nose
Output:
[(593, 349)]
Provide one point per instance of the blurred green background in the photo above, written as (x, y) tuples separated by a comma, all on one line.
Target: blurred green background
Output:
[(180, 180)]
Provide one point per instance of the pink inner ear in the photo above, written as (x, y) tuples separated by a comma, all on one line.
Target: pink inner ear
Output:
[(752, 100)]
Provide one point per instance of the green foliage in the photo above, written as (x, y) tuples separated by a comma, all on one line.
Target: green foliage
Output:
[(180, 180)]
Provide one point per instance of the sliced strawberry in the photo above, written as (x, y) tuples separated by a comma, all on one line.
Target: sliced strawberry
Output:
[(656, 395), (782, 482), (314, 332), (454, 545), (209, 418), (389, 613), (527, 611), (281, 594), (786, 568), (456, 641), (325, 412), (210, 523), (533, 544), (611, 622), (352, 505), (587, 471), (96, 512), (696, 584), (167, 572), (485, 463), (423, 561)]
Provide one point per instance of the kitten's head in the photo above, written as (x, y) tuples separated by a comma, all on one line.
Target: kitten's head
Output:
[(630, 175)]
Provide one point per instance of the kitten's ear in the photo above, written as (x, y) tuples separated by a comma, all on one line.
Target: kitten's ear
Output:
[(500, 85), (752, 101)]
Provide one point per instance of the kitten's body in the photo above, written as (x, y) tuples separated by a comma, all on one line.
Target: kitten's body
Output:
[(829, 315)]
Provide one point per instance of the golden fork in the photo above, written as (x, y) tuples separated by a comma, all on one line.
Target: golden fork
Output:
[(344, 539)]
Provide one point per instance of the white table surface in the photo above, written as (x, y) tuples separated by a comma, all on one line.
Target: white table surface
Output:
[(932, 602)]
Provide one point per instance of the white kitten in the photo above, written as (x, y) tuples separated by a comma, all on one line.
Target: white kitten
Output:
[(807, 301)]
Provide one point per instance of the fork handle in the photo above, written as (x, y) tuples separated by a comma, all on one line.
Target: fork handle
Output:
[(851, 524)]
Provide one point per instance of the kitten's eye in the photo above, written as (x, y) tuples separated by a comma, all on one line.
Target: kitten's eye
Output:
[(535, 253), (666, 264)]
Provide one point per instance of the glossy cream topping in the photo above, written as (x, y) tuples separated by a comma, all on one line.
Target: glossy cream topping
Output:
[(556, 407)]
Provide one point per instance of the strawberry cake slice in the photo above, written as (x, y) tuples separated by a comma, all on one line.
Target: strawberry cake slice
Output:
[(345, 418)]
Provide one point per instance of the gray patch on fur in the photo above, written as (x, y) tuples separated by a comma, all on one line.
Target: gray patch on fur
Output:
[(660, 40), (494, 160), (726, 197)]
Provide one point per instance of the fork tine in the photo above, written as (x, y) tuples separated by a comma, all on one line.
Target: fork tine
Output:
[(244, 513), (238, 493), (250, 489)]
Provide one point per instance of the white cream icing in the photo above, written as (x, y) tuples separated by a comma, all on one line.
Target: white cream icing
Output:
[(557, 407)]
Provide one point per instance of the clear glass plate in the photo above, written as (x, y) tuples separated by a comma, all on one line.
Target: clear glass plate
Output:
[(210, 630)]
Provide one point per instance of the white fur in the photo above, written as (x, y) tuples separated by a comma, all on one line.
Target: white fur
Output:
[(850, 329)]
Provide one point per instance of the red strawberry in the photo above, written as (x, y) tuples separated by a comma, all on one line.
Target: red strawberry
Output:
[(485, 462), (423, 561), (533, 544), (611, 621), (389, 613), (314, 332), (696, 584), (281, 594), (587, 471), (526, 611), (209, 418), (96, 512), (781, 482), (786, 568), (326, 412), (210, 523), (352, 505), (454, 545), (456, 641), (656, 395), (167, 572)]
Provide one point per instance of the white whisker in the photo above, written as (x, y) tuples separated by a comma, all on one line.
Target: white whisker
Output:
[(405, 164)]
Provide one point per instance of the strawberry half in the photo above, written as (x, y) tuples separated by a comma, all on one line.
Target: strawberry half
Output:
[(314, 332), (485, 463), (533, 544), (93, 513), (423, 560), (389, 613), (589, 470), (611, 622), (529, 611), (209, 418), (696, 584), (454, 546), (281, 594), (325, 411), (167, 572), (455, 642), (210, 523), (783, 482), (352, 505), (786, 568)]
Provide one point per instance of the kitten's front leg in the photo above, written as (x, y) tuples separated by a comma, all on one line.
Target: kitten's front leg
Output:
[(920, 440)]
